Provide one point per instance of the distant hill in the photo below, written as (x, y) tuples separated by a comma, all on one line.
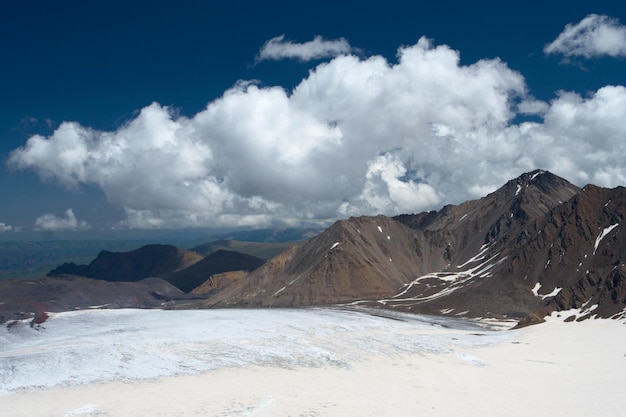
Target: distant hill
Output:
[(263, 250), (269, 235), (148, 261)]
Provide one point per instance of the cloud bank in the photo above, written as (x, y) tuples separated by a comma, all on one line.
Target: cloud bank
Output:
[(357, 136), (50, 222), (277, 48), (595, 35)]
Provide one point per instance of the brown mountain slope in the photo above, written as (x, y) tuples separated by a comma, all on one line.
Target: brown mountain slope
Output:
[(518, 252), (356, 258)]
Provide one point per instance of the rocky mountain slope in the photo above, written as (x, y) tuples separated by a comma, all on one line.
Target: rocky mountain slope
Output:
[(535, 245)]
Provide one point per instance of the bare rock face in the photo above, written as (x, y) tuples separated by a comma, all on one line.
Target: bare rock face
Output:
[(536, 245)]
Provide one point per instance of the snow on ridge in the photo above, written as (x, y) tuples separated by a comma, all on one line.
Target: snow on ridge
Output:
[(535, 175), (602, 235)]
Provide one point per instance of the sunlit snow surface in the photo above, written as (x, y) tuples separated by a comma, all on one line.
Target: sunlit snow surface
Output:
[(86, 346)]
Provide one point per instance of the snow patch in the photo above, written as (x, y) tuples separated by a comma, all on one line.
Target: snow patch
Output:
[(519, 188), (334, 245), (462, 217), (554, 292), (478, 257), (535, 175), (605, 232), (380, 229)]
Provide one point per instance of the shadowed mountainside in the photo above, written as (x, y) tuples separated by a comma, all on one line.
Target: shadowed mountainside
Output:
[(147, 261)]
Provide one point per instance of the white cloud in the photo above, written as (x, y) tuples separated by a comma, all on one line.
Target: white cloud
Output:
[(357, 136), (595, 35), (50, 222), (5, 227), (277, 48)]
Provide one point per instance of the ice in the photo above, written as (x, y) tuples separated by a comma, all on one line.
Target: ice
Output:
[(99, 345), (605, 232)]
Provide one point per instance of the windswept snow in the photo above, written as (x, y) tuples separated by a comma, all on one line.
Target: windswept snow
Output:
[(98, 345), (313, 362), (605, 232)]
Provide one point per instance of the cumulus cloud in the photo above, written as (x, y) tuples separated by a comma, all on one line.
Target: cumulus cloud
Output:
[(5, 227), (594, 36), (50, 222), (277, 48), (357, 136)]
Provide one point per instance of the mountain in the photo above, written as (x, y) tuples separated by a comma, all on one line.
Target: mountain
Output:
[(535, 245), (147, 261)]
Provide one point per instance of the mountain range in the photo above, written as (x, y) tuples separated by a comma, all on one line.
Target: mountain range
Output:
[(537, 244)]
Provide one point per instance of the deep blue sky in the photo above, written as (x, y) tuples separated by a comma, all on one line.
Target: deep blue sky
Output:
[(98, 63)]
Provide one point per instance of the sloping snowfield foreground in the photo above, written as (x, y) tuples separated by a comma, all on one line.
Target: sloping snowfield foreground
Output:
[(308, 362)]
